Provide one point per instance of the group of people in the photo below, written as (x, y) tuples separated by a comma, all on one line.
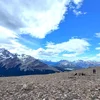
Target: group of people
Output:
[(83, 74)]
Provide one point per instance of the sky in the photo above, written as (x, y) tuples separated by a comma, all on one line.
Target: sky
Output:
[(51, 29)]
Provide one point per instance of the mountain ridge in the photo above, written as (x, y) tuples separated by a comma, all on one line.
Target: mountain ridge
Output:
[(15, 64), (12, 65), (66, 65)]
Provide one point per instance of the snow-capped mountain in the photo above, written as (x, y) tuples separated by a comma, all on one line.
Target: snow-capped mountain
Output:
[(14, 64), (65, 65), (86, 64), (5, 53)]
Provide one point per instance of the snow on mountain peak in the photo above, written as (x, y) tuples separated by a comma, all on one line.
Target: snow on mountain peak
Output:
[(2, 50), (5, 54)]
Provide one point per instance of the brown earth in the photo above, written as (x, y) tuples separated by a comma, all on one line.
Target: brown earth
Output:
[(75, 85)]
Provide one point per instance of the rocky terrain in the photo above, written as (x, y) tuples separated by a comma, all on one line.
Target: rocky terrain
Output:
[(75, 85)]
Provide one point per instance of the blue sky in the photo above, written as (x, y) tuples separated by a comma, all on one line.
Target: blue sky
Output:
[(51, 30)]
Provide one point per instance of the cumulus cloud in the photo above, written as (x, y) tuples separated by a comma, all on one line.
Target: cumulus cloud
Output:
[(6, 35), (97, 35), (35, 17), (98, 48), (70, 46), (70, 55), (77, 2), (98, 55), (77, 13), (51, 51), (75, 9), (15, 47), (65, 49)]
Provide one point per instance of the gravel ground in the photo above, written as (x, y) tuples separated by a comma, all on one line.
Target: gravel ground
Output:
[(59, 86)]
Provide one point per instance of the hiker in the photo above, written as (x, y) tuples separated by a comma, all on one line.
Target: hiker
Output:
[(83, 74), (94, 71), (75, 74)]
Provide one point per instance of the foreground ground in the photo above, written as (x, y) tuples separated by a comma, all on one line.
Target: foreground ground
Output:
[(59, 86)]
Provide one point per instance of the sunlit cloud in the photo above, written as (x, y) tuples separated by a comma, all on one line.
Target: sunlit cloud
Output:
[(36, 18)]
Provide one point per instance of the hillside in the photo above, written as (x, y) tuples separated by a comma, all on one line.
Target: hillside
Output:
[(58, 86)]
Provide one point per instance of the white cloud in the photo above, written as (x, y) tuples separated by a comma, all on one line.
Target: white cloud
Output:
[(91, 58), (77, 1), (69, 49), (70, 55), (98, 48), (35, 17), (72, 48), (98, 55), (75, 9), (77, 13), (97, 35), (6, 34), (15, 47), (73, 45)]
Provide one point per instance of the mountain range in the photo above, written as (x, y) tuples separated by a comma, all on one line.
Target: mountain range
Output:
[(17, 65), (65, 65)]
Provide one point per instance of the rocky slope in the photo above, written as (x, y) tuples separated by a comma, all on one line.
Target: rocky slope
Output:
[(13, 64), (59, 86)]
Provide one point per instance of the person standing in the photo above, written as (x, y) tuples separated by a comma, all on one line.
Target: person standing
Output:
[(94, 71)]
